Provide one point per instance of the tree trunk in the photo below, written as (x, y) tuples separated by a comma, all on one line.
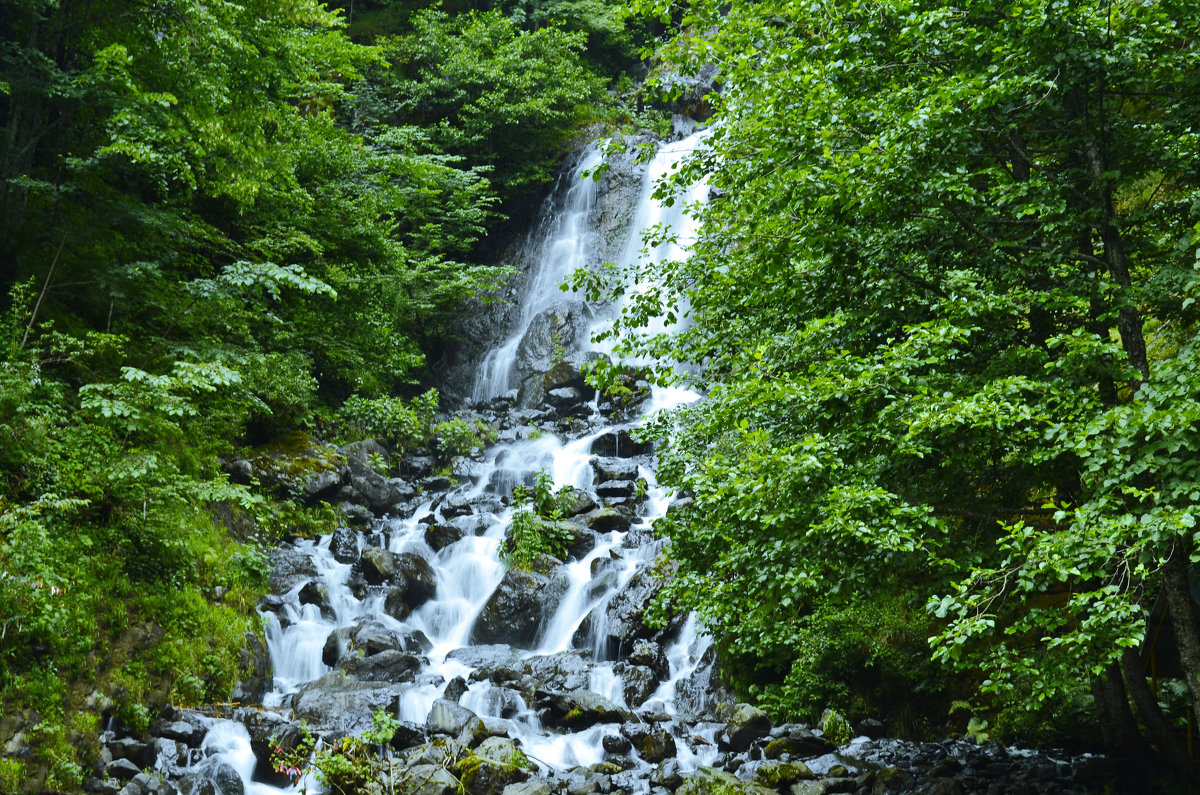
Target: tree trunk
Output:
[(1183, 617), (1164, 738), (1122, 738)]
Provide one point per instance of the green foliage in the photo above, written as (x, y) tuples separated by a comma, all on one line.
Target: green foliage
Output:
[(348, 765), (537, 523), (456, 437), (505, 98), (946, 310), (402, 426)]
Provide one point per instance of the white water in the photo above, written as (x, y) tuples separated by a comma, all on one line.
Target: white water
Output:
[(468, 571)]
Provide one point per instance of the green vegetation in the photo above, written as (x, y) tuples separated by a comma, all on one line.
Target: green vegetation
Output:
[(228, 229), (537, 523), (946, 304)]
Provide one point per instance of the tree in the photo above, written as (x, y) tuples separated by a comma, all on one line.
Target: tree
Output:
[(944, 297)]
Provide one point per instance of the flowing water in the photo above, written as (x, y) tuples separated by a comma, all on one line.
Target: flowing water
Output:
[(469, 570)]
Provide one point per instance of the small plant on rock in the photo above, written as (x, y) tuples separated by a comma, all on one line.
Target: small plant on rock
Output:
[(537, 526)]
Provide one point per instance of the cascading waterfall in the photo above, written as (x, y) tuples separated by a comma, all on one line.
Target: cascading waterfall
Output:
[(469, 570)]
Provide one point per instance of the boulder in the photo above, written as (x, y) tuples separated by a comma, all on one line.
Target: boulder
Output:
[(343, 545), (426, 780), (290, 566), (336, 702), (370, 636), (213, 776), (448, 717), (578, 709), (606, 469), (607, 520), (638, 684), (405, 570), (620, 444), (709, 781), (775, 774), (747, 724), (548, 335), (389, 665), (268, 731), (151, 784), (440, 536), (517, 608), (651, 743), (496, 764)]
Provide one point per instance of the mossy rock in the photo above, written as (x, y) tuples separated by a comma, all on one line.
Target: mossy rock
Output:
[(709, 781), (773, 773)]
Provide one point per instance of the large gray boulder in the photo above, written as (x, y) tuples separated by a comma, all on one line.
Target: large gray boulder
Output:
[(369, 637), (213, 776), (578, 709), (518, 607), (747, 724), (336, 702), (290, 566), (549, 336)]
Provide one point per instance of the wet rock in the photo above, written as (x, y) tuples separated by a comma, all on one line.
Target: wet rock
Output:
[(121, 769), (448, 717), (370, 636), (517, 608), (582, 541), (336, 702), (407, 735), (141, 754), (343, 545), (213, 776), (709, 781), (747, 724), (615, 490), (651, 655), (579, 709), (616, 744), (426, 780), (455, 689), (290, 567), (268, 731), (185, 731), (775, 774), (626, 612), (389, 665), (701, 692), (536, 787), (577, 502), (609, 469), (439, 536), (313, 593), (638, 684), (652, 744), (608, 519), (667, 775), (549, 334), (496, 765), (618, 443), (151, 784), (404, 570), (800, 743)]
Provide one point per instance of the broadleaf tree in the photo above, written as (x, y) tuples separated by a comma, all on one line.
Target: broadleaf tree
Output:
[(943, 306)]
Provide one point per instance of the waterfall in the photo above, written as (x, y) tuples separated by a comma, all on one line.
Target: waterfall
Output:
[(469, 572)]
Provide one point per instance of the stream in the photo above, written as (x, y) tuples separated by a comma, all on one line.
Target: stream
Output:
[(413, 611)]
